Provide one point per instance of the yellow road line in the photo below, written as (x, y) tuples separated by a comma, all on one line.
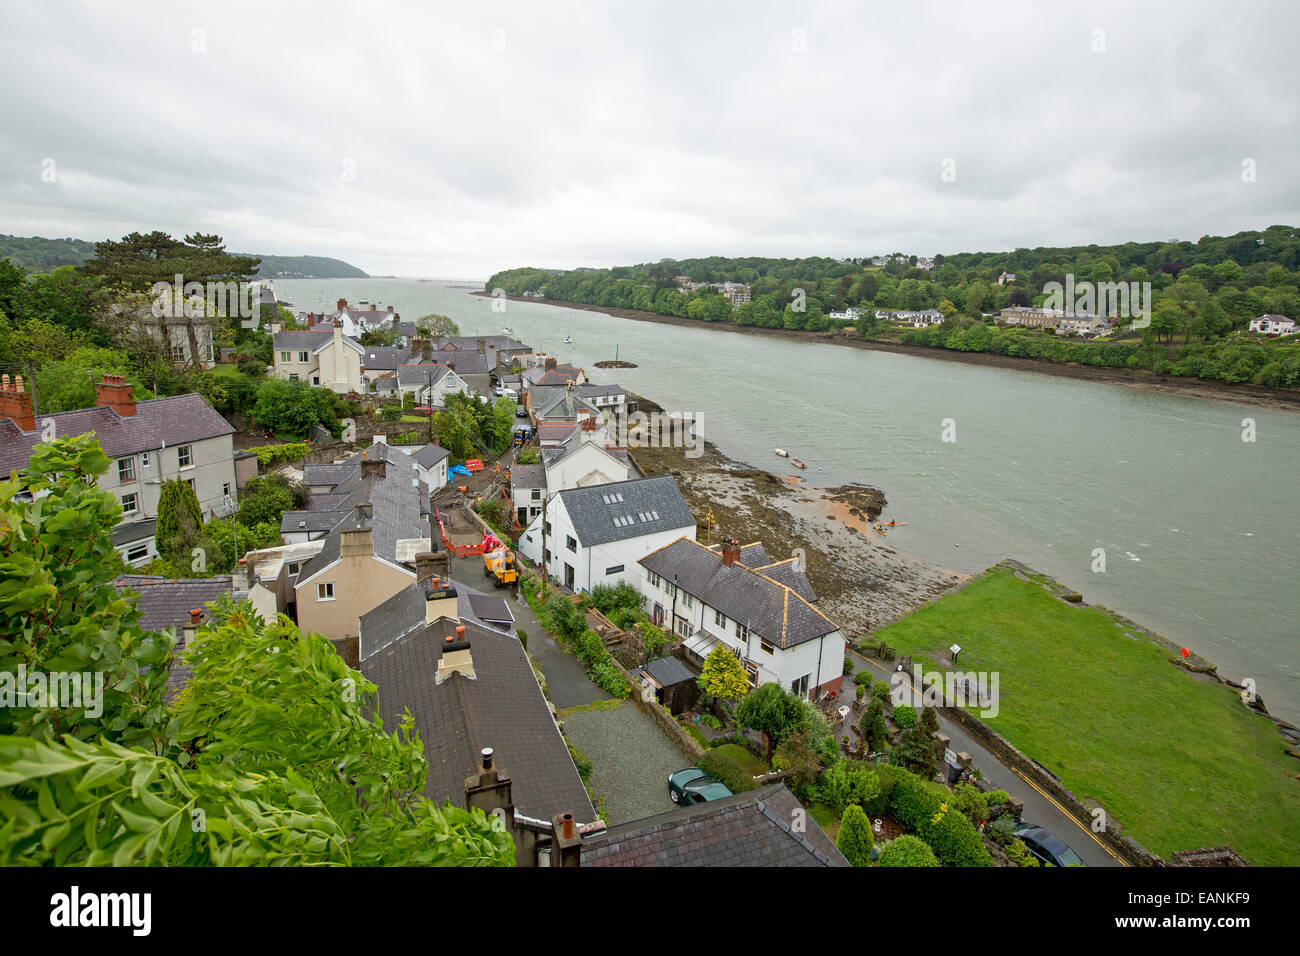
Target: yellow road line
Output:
[(1043, 793)]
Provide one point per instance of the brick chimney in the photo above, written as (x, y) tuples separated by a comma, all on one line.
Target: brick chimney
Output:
[(481, 345), (375, 466), (431, 565), (455, 658), (390, 310), (440, 600), (730, 551), (117, 393), (16, 403), (488, 788), (343, 304), (566, 841)]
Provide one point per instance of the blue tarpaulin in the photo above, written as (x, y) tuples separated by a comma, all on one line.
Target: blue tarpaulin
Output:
[(459, 470)]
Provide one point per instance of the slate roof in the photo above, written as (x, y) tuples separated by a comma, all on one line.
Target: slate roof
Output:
[(332, 475), (786, 572), (176, 421), (556, 431), (167, 602), (528, 476), (668, 671), (502, 708), (429, 455), (464, 363), (418, 376), (748, 829), (384, 357), (772, 610), (492, 610), (398, 506), (302, 340), (592, 391), (313, 522), (126, 532), (641, 505)]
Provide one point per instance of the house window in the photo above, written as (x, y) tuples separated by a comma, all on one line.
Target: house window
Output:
[(654, 579), (137, 553), (537, 494), (720, 619), (742, 632), (325, 591), (129, 504), (688, 600), (616, 569), (315, 379), (570, 542), (293, 376), (767, 648), (125, 470), (190, 482), (183, 457), (303, 358), (144, 459), (800, 687), (548, 527), (284, 357), (294, 568), (752, 671), (178, 353), (225, 489)]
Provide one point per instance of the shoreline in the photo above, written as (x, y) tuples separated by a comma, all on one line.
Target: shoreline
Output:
[(1287, 400), (863, 580)]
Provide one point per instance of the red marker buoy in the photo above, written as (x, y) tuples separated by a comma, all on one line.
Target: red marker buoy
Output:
[(1185, 652)]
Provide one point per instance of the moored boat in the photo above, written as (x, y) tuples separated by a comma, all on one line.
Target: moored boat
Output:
[(797, 463), (782, 452)]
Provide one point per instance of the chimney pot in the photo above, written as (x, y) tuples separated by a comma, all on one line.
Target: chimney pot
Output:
[(567, 820), (196, 615), (460, 631), (487, 758)]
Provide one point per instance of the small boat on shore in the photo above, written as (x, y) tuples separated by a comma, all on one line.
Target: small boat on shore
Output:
[(893, 524), (782, 452), (797, 463), (879, 530)]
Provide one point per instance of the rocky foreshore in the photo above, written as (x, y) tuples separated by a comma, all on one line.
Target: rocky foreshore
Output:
[(862, 580)]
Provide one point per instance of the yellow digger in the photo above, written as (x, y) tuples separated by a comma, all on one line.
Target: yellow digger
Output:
[(500, 566)]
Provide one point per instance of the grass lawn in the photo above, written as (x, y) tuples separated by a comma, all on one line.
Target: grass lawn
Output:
[(690, 728), (747, 761), (826, 818), (226, 370), (1178, 761)]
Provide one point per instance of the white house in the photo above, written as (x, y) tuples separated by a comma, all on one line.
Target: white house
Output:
[(432, 461), (763, 615), (1273, 325), (596, 534)]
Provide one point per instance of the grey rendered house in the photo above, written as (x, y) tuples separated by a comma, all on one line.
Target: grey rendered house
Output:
[(148, 442)]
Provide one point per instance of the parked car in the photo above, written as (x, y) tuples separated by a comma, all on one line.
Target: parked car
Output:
[(1050, 849), (692, 785)]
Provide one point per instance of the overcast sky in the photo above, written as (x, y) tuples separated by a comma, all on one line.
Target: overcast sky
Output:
[(455, 141)]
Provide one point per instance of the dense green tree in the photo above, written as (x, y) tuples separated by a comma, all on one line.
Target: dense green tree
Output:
[(179, 520), (771, 710), (855, 839), (907, 850)]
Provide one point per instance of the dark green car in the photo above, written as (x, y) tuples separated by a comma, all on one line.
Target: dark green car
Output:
[(693, 785)]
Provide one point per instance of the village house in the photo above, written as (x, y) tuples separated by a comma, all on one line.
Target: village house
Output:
[(596, 534), (329, 359), (762, 614), (178, 604), (1031, 317), (1273, 325), (488, 733), (1084, 325), (148, 443), (608, 399), (364, 559)]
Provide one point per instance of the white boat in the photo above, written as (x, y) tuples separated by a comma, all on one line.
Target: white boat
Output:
[(782, 452), (508, 331), (568, 340)]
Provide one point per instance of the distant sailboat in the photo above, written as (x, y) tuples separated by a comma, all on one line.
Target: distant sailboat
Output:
[(568, 339)]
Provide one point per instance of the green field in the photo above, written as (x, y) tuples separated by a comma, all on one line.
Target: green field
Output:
[(1178, 761)]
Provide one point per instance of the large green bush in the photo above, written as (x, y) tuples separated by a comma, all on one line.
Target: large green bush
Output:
[(907, 851), (855, 839), (736, 778)]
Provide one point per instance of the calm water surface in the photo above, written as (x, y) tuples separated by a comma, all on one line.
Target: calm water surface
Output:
[(1200, 529)]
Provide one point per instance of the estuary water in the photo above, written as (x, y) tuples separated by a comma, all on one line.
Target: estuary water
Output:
[(1199, 530)]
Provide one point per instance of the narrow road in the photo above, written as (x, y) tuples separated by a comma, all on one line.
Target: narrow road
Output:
[(1041, 808)]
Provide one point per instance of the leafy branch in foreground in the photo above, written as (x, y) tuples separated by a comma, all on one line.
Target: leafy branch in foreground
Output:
[(267, 757)]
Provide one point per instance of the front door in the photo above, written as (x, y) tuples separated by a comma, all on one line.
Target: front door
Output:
[(568, 576)]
